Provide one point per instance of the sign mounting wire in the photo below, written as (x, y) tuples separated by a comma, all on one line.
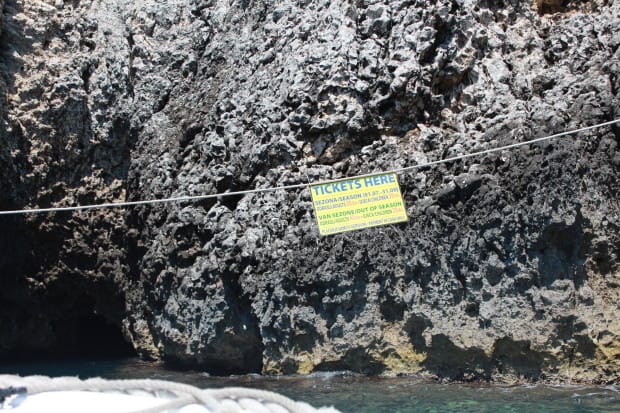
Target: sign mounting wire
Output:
[(298, 186)]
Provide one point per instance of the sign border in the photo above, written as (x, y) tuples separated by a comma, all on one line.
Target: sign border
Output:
[(316, 217)]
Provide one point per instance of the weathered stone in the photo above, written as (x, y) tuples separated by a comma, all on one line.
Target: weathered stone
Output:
[(507, 269)]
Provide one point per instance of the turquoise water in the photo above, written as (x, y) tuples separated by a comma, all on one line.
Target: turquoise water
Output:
[(358, 394)]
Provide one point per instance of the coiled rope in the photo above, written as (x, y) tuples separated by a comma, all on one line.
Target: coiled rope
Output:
[(302, 185), (226, 400)]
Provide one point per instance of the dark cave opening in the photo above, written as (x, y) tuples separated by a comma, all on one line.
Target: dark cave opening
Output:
[(97, 338), (85, 336)]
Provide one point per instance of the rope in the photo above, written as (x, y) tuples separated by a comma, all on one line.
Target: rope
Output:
[(226, 400), (302, 185), (10, 391), (502, 148)]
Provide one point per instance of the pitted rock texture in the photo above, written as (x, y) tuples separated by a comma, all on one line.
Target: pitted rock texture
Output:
[(508, 268)]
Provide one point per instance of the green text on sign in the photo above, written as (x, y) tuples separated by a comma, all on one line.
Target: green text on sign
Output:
[(351, 204)]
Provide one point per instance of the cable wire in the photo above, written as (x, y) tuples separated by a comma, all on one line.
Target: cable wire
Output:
[(302, 185)]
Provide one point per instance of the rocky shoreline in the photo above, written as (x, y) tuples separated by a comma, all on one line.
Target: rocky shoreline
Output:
[(509, 266)]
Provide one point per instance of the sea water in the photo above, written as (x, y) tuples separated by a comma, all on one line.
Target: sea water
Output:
[(359, 394)]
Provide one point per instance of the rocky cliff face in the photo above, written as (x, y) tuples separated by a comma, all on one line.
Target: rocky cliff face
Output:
[(508, 268)]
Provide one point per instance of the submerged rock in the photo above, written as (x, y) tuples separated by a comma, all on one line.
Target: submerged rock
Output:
[(507, 269)]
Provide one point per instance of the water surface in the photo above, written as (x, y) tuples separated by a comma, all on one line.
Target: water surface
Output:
[(358, 394)]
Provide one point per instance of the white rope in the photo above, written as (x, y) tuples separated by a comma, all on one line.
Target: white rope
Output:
[(228, 400), (303, 185), (502, 148)]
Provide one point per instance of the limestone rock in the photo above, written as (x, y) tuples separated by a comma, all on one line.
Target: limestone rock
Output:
[(509, 265)]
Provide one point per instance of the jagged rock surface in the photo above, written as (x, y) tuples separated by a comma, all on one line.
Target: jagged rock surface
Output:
[(508, 268)]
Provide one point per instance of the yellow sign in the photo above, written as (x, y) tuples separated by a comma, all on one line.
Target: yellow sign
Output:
[(357, 203)]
